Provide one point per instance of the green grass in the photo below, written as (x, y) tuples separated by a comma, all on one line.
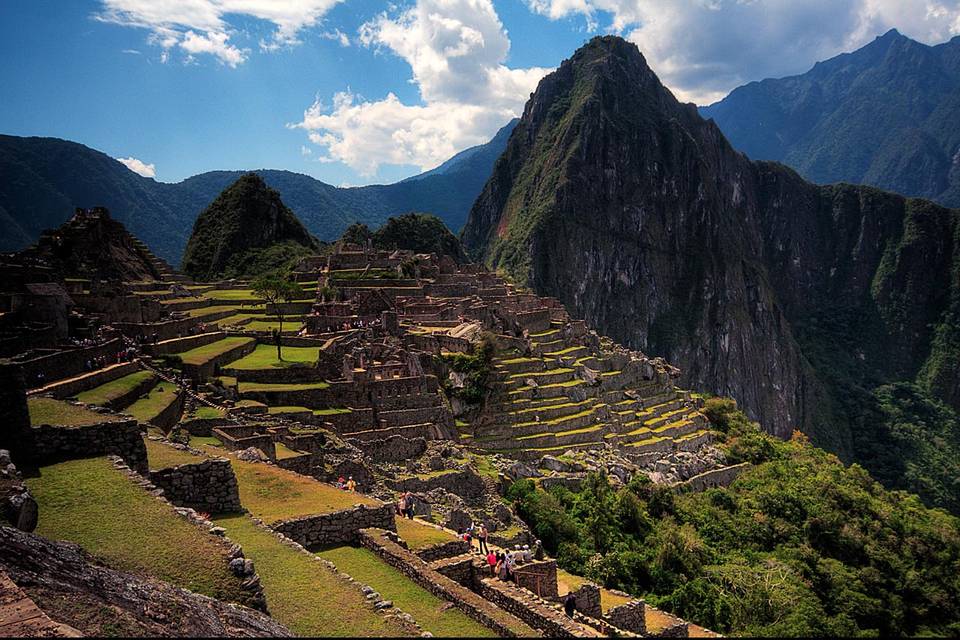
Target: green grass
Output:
[(92, 504), (161, 456), (229, 294), (208, 352), (419, 535), (303, 594), (206, 413), (262, 325), (58, 412), (271, 493), (283, 451), (201, 312), (150, 405), (276, 410), (114, 389), (432, 613), (265, 357), (205, 441), (267, 386), (332, 411)]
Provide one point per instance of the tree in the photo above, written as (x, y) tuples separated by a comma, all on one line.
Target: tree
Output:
[(275, 289)]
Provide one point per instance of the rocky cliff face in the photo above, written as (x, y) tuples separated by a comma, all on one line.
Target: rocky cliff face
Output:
[(246, 230), (640, 216)]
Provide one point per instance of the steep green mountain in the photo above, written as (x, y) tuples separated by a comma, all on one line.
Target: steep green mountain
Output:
[(798, 300), (419, 232), (246, 231), (885, 115), (42, 180)]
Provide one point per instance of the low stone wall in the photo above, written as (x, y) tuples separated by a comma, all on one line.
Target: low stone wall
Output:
[(444, 550), (72, 387), (179, 345), (337, 527), (473, 605), (164, 330), (587, 599), (540, 577), (303, 465), (461, 483), (209, 486), (630, 617), (203, 427), (459, 569), (393, 449), (721, 477), (170, 416), (200, 372), (286, 375), (530, 609), (120, 438), (66, 363)]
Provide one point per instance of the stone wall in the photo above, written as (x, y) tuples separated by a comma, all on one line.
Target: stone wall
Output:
[(534, 611), (303, 465), (444, 550), (721, 477), (587, 599), (179, 345), (630, 616), (460, 569), (540, 577), (337, 527), (120, 438), (393, 449), (462, 483), (170, 416), (15, 432), (66, 363), (17, 506), (472, 604), (164, 330), (72, 387), (209, 486)]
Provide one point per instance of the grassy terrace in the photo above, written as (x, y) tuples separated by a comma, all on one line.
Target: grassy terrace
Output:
[(110, 391), (283, 451), (419, 535), (262, 325), (220, 308), (58, 412), (433, 614), (206, 412), (92, 504), (208, 352), (265, 357), (268, 386), (302, 593), (150, 405), (271, 493), (228, 294), (161, 456)]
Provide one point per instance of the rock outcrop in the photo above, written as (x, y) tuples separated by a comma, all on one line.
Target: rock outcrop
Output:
[(246, 230), (72, 588), (642, 219)]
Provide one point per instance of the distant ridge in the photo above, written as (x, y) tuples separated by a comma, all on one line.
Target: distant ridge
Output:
[(884, 115), (43, 179)]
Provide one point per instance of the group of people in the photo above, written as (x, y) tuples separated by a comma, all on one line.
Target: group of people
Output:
[(406, 505), (347, 485), (504, 563)]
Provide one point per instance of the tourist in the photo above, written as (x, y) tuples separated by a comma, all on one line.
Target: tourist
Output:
[(351, 484), (538, 550), (482, 538), (569, 604), (402, 505), (411, 505), (491, 559), (341, 483), (527, 554)]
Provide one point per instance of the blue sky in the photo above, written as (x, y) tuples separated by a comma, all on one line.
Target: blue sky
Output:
[(358, 92)]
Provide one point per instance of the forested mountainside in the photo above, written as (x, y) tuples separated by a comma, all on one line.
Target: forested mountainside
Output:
[(885, 115), (246, 231), (44, 179), (799, 300)]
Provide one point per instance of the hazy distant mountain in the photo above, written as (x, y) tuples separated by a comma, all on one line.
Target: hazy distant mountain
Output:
[(42, 180), (884, 115)]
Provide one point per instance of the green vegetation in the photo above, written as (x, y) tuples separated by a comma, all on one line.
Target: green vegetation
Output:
[(475, 367), (269, 386), (206, 413), (271, 493), (229, 294), (161, 456), (92, 504), (208, 352), (798, 545), (283, 451), (57, 412), (417, 232), (432, 613), (304, 594), (419, 535), (246, 231), (265, 357), (275, 289), (151, 405), (111, 391)]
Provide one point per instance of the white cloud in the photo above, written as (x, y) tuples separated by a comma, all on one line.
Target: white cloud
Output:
[(704, 48), (138, 166), (201, 26), (456, 50)]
